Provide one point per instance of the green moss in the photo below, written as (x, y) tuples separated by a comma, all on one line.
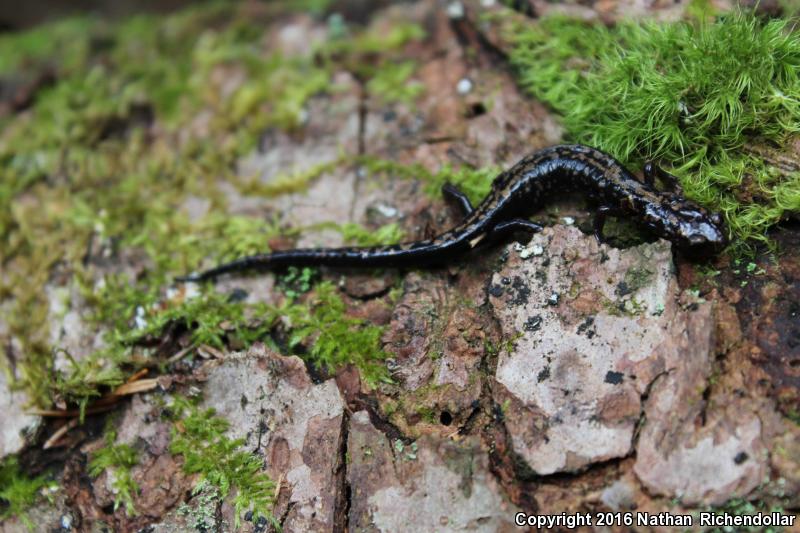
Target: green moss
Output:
[(391, 83), (371, 57), (199, 437), (17, 491), (288, 183), (296, 281), (690, 96), (53, 45), (475, 183), (142, 118), (117, 460), (320, 326), (335, 339), (427, 414), (85, 167), (90, 377), (358, 234), (740, 507)]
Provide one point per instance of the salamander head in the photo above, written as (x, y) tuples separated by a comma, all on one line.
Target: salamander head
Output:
[(690, 227)]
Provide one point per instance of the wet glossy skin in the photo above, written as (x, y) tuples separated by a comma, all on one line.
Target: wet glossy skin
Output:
[(516, 193)]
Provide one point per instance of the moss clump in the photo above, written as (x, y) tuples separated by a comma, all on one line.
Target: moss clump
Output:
[(53, 45), (117, 460), (392, 83), (296, 281), (334, 339), (690, 95), (199, 437), (361, 236), (318, 329), (17, 491), (475, 183), (212, 318), (739, 507)]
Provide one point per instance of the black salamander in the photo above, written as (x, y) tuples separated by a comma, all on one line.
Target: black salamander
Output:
[(515, 193)]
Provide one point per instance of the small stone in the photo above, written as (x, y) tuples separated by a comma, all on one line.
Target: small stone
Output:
[(303, 116), (464, 86), (455, 10), (569, 221), (386, 210), (533, 250), (553, 299), (533, 323), (139, 318)]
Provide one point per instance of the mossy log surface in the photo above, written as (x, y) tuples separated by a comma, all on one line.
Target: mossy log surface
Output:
[(547, 376)]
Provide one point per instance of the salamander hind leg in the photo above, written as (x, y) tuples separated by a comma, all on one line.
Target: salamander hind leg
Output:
[(453, 194), (503, 229)]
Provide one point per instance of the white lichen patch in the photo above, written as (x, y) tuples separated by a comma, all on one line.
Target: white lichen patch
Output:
[(572, 379)]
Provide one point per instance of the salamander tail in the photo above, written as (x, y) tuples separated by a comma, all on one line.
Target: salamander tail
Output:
[(263, 261)]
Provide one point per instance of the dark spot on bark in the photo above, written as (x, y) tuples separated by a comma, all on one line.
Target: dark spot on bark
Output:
[(522, 292), (533, 323), (497, 412), (237, 295), (496, 291), (446, 418), (261, 525), (543, 374), (740, 458), (615, 378), (622, 289), (476, 109), (588, 323)]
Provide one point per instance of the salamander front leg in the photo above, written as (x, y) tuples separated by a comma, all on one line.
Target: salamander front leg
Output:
[(453, 194), (652, 171), (600, 220), (507, 227)]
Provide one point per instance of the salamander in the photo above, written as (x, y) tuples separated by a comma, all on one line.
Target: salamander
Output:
[(515, 193)]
